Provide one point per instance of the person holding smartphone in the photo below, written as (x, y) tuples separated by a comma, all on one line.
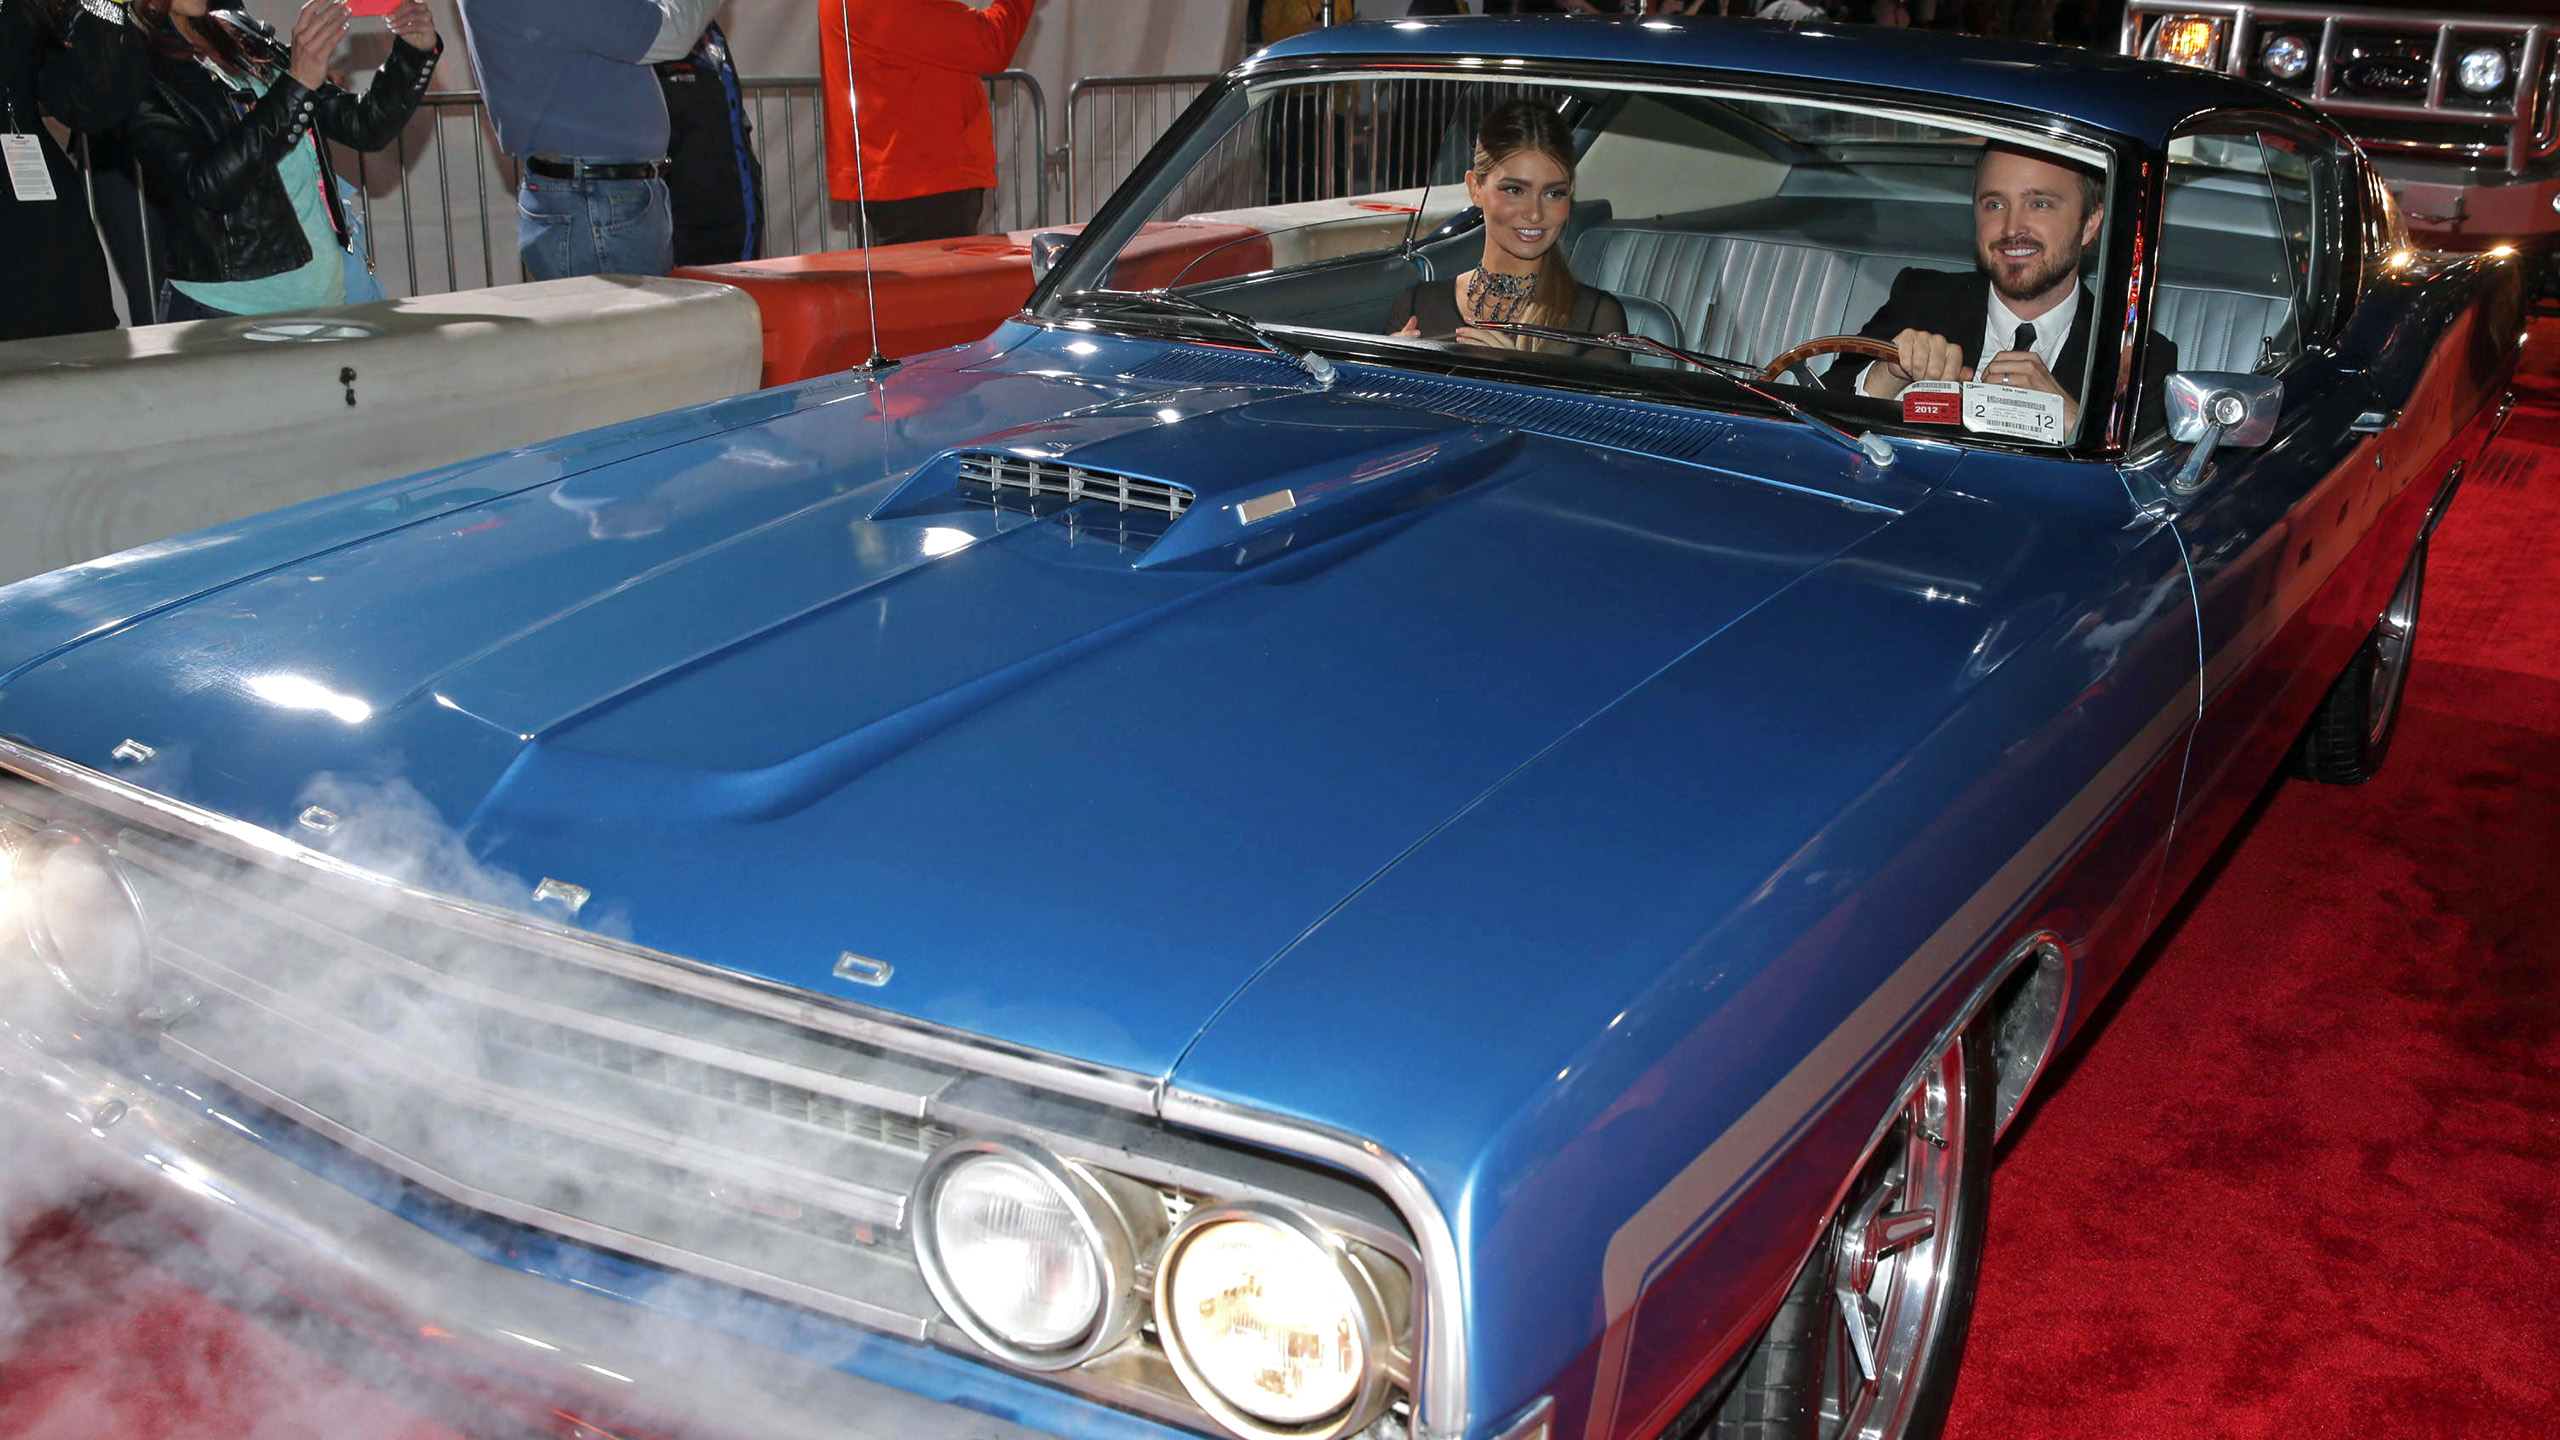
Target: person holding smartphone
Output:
[(230, 140)]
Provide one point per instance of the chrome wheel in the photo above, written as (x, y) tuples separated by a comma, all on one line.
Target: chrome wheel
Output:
[(1897, 1274), (2391, 646)]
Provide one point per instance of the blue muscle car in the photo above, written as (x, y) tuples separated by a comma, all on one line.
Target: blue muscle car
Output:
[(1466, 821)]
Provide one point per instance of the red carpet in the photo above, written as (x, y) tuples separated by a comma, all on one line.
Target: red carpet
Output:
[(2299, 1183)]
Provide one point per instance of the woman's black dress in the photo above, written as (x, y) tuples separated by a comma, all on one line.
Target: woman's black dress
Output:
[(56, 279), (1435, 303)]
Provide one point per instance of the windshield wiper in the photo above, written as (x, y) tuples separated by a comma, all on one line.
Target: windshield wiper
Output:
[(1871, 445), (1317, 367)]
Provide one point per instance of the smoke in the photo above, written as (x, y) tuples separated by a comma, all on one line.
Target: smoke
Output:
[(507, 1065)]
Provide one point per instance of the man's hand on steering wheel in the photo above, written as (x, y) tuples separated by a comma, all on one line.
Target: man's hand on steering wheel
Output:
[(1919, 356)]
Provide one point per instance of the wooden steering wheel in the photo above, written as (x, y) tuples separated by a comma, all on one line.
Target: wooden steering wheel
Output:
[(1830, 345)]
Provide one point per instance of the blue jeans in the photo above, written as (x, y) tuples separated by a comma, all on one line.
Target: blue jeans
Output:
[(177, 305), (593, 227)]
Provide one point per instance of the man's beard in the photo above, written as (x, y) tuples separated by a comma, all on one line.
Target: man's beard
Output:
[(2042, 274)]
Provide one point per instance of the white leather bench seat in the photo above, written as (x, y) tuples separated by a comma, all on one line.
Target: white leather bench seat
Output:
[(1749, 297)]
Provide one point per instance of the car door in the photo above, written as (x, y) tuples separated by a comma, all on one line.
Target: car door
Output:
[(2257, 254)]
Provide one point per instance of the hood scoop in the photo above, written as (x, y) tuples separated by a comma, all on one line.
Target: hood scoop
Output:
[(1260, 472), (1041, 488)]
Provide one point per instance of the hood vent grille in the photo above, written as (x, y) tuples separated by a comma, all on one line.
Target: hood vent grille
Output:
[(1004, 477)]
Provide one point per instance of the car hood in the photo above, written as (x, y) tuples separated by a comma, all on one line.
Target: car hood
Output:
[(796, 690)]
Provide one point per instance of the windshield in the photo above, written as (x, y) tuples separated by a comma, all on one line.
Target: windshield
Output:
[(1410, 219)]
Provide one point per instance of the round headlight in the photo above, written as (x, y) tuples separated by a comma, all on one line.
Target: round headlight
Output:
[(1271, 1323), (2286, 57), (2484, 71), (1027, 1254), (82, 919)]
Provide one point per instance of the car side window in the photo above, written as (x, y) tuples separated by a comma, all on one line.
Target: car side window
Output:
[(2247, 248)]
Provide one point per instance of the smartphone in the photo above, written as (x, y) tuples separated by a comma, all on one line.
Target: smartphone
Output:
[(372, 7)]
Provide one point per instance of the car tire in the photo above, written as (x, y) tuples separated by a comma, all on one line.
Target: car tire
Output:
[(2350, 732), (1912, 1281)]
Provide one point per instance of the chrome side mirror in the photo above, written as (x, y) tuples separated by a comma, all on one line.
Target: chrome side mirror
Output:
[(2219, 407), (1046, 247)]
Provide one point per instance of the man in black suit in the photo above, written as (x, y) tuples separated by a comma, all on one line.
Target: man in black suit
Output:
[(2033, 220)]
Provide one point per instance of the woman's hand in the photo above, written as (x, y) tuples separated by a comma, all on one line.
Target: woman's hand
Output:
[(316, 33), (415, 23)]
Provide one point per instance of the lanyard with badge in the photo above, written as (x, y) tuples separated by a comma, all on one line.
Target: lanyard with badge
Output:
[(30, 179)]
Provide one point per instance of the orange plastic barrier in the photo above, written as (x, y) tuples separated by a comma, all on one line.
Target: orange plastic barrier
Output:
[(934, 293)]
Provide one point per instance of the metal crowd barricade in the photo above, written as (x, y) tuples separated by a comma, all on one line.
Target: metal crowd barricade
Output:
[(440, 220), (1111, 120)]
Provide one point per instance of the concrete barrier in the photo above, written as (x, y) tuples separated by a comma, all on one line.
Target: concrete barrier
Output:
[(113, 439)]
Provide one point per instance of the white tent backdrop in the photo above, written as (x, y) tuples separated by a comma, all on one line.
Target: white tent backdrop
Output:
[(442, 202)]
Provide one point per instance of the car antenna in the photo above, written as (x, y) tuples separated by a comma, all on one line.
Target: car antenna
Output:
[(861, 192)]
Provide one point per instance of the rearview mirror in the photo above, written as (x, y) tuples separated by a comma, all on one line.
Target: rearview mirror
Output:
[(2219, 407), (1046, 247)]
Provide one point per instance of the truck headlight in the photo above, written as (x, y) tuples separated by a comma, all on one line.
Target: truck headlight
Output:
[(80, 917), (1034, 1258), (2188, 40), (2484, 71), (1272, 1323), (2286, 57)]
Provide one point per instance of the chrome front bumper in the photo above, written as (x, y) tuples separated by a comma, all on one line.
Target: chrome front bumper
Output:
[(276, 1232)]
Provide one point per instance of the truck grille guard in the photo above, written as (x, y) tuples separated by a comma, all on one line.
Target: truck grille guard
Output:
[(2528, 110)]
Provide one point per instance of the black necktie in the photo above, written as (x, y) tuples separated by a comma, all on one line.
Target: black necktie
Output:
[(2026, 337)]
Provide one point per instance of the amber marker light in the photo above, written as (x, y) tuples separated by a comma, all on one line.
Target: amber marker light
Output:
[(2188, 40)]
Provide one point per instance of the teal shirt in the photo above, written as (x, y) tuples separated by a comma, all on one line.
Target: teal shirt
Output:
[(321, 282)]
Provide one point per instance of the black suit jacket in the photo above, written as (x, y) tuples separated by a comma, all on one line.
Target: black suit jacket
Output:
[(1957, 304)]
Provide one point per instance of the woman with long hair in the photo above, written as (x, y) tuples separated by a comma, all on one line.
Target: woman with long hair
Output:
[(230, 139), (79, 62), (1522, 181)]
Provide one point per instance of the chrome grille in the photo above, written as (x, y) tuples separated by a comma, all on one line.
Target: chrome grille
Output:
[(1069, 484), (748, 1149)]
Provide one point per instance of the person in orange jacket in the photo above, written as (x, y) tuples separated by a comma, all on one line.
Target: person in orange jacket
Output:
[(928, 143)]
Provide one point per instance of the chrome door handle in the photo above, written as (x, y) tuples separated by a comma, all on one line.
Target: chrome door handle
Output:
[(2373, 422)]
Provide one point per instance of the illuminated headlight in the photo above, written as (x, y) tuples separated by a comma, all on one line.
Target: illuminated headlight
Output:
[(2286, 57), (70, 900), (2188, 40), (2484, 71), (1277, 1328), (1034, 1258), (14, 840)]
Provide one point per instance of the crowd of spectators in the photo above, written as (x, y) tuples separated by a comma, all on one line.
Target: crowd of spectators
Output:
[(625, 118)]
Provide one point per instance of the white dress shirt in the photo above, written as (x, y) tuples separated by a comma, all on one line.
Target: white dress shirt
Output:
[(2053, 327)]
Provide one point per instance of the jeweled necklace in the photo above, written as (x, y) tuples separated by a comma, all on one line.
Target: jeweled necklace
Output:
[(1496, 296)]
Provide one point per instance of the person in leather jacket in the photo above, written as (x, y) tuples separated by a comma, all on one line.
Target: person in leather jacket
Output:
[(230, 143)]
